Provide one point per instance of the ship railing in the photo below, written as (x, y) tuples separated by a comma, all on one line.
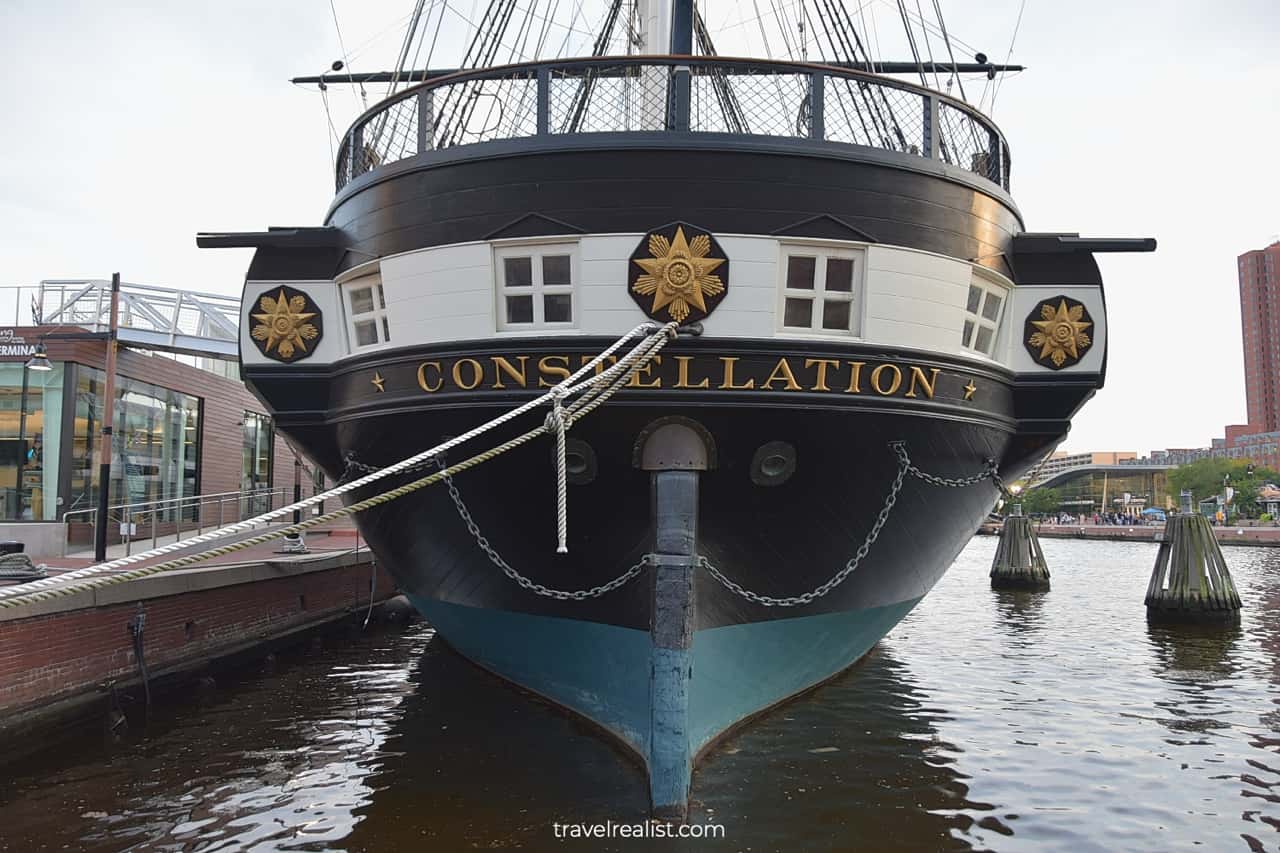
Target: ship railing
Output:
[(173, 519), (675, 95)]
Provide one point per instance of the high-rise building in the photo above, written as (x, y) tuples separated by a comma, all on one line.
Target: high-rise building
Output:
[(1260, 322)]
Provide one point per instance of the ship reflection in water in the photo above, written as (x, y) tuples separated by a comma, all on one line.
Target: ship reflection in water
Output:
[(985, 720)]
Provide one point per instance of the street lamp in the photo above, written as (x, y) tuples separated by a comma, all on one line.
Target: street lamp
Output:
[(39, 360)]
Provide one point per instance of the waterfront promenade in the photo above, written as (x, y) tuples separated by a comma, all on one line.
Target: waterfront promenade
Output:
[(1264, 535)]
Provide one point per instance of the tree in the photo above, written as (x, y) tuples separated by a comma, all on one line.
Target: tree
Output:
[(1039, 501), (1205, 478)]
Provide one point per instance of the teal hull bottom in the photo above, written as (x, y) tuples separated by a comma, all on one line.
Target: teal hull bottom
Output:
[(666, 705)]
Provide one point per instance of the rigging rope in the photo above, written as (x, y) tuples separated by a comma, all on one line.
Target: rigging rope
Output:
[(404, 47), (1016, 26), (928, 46), (911, 41), (587, 85), (951, 53), (595, 391)]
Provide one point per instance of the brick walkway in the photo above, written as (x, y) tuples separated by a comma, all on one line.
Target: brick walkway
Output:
[(319, 540)]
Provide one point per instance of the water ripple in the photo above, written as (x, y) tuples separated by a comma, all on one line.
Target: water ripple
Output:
[(986, 720)]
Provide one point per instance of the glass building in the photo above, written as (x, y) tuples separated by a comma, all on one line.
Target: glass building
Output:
[(179, 431), (1113, 488), (50, 438)]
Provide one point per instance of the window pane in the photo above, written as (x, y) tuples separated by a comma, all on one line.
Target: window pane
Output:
[(983, 343), (366, 333), (975, 299), (840, 274), (386, 331), (798, 313), (520, 309), (519, 272), (362, 300), (800, 272), (557, 308), (835, 315), (968, 332), (382, 299), (555, 269), (991, 308)]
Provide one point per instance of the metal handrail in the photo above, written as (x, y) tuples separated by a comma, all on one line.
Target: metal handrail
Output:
[(130, 512), (746, 97)]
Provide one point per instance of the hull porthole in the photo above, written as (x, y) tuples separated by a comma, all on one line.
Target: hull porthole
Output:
[(773, 463), (579, 462)]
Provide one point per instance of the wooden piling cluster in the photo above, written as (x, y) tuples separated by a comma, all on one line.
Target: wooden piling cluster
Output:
[(1019, 562), (1190, 581)]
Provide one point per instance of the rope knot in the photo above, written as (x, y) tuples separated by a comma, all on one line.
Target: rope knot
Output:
[(556, 423)]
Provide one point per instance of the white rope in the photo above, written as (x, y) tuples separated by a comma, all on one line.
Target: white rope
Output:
[(569, 386), (598, 391), (556, 423)]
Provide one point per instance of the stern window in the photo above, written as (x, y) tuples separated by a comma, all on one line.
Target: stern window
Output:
[(819, 287), (366, 312), (983, 310), (535, 286)]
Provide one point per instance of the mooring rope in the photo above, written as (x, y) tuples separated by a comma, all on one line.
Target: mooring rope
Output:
[(597, 390), (556, 423), (19, 567)]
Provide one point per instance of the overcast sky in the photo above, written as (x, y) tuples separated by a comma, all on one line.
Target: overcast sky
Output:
[(130, 126)]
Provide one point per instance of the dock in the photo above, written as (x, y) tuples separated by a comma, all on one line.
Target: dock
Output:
[(67, 658)]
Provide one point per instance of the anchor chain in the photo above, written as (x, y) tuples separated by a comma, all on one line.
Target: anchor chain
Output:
[(905, 466), (526, 583), (990, 473)]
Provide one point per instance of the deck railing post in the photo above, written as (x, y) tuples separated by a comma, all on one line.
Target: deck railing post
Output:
[(817, 111), (356, 149), (544, 100), (426, 119), (995, 167), (680, 98), (931, 127)]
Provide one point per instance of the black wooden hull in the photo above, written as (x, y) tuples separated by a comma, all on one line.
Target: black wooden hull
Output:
[(600, 656), (778, 541)]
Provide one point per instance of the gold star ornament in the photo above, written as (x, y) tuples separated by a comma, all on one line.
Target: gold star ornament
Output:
[(1060, 337), (286, 324), (377, 382), (678, 275), (969, 390)]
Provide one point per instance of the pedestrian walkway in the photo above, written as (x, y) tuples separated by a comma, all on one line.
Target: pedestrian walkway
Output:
[(324, 539)]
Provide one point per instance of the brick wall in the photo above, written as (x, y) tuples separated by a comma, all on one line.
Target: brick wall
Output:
[(46, 658)]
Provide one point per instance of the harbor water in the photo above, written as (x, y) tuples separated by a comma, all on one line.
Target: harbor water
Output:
[(985, 720)]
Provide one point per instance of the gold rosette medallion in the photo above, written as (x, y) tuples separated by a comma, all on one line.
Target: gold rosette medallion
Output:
[(678, 273), (287, 325), (1058, 332)]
